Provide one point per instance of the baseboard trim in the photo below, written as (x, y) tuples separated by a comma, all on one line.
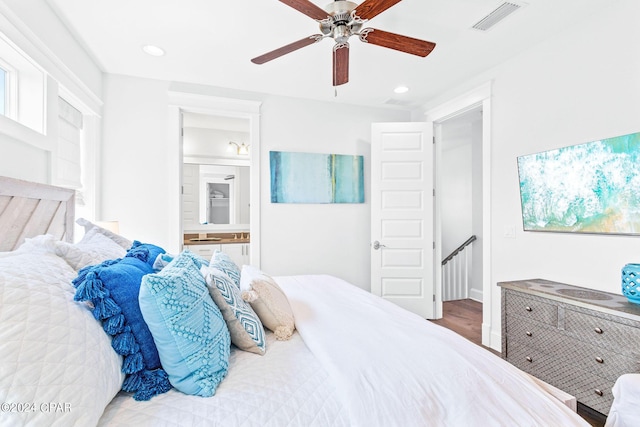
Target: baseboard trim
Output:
[(476, 295), (495, 339)]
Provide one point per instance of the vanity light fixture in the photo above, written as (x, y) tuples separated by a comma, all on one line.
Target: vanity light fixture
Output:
[(241, 149), (153, 50)]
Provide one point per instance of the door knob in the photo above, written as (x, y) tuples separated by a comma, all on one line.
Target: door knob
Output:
[(377, 245)]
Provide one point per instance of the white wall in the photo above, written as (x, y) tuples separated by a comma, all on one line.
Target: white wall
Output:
[(328, 239), (23, 161), (456, 189), (140, 167), (579, 86)]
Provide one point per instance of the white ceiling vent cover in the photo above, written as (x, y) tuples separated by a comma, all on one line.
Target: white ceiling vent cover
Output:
[(501, 12)]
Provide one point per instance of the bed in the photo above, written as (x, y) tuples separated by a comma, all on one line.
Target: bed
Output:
[(353, 359)]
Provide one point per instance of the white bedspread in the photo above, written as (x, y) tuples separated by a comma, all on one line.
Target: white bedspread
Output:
[(356, 360), (285, 387), (392, 368)]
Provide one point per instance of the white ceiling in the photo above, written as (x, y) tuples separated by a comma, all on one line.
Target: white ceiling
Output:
[(211, 42)]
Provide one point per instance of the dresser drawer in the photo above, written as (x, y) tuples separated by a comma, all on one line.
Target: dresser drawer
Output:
[(588, 388), (555, 343), (603, 332), (530, 307)]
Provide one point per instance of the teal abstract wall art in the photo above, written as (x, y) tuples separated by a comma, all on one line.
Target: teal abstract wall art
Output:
[(587, 188), (316, 178)]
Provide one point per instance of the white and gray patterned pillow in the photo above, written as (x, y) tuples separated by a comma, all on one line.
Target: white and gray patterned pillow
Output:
[(244, 325)]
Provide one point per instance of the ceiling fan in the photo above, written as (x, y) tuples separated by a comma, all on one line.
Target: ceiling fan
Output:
[(341, 20)]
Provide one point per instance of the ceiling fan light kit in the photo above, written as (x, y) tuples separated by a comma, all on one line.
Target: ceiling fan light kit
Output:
[(340, 20)]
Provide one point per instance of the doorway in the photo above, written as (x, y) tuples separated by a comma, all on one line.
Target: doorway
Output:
[(204, 105), (461, 221), (476, 102), (461, 205)]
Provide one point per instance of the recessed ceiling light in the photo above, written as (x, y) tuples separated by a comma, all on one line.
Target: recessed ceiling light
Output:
[(153, 50), (401, 89)]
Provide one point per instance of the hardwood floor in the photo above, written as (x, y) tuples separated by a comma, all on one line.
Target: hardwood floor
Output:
[(465, 318)]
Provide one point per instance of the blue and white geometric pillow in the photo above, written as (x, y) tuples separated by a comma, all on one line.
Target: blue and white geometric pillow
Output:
[(245, 327), (224, 263)]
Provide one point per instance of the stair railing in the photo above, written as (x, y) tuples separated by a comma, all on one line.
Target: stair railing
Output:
[(455, 272)]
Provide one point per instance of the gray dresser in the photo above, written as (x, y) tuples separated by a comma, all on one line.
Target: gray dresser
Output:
[(579, 340)]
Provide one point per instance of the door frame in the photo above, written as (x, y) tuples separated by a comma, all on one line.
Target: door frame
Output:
[(226, 107), (481, 96)]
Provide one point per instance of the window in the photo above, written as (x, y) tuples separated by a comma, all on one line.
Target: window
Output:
[(22, 87)]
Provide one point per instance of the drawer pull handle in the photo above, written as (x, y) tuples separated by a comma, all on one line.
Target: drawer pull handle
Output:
[(528, 308), (599, 360), (598, 330), (598, 392), (529, 359), (528, 333)]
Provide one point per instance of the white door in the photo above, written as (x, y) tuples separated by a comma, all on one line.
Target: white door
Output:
[(402, 215)]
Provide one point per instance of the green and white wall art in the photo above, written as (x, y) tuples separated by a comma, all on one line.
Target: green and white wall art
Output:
[(587, 188), (316, 178)]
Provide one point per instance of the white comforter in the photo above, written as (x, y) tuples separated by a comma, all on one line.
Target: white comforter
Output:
[(392, 368), (356, 360)]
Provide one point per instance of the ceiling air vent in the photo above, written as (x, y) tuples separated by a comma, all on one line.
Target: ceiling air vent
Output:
[(501, 12)]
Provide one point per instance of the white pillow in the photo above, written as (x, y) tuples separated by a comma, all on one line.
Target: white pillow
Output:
[(38, 244), (268, 301), (94, 248), (88, 225), (55, 359)]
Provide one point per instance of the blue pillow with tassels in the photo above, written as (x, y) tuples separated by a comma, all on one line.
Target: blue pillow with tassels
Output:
[(113, 287)]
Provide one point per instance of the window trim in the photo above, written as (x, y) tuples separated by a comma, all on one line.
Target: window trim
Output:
[(10, 89)]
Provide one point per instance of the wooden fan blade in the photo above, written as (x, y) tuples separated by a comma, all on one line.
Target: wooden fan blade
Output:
[(371, 8), (308, 8), (287, 49), (340, 64), (397, 42)]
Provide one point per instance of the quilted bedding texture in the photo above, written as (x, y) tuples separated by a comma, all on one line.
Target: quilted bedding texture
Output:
[(355, 360), (50, 347), (285, 387)]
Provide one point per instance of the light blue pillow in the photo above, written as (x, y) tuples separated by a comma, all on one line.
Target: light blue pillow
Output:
[(164, 259), (244, 325), (191, 336), (224, 263)]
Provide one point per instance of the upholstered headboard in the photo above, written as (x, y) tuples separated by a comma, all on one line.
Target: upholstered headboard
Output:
[(28, 209)]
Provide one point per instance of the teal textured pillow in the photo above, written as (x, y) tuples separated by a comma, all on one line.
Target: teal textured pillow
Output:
[(191, 336), (224, 263)]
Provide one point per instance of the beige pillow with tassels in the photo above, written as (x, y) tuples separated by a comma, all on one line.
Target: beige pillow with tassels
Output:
[(268, 301)]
